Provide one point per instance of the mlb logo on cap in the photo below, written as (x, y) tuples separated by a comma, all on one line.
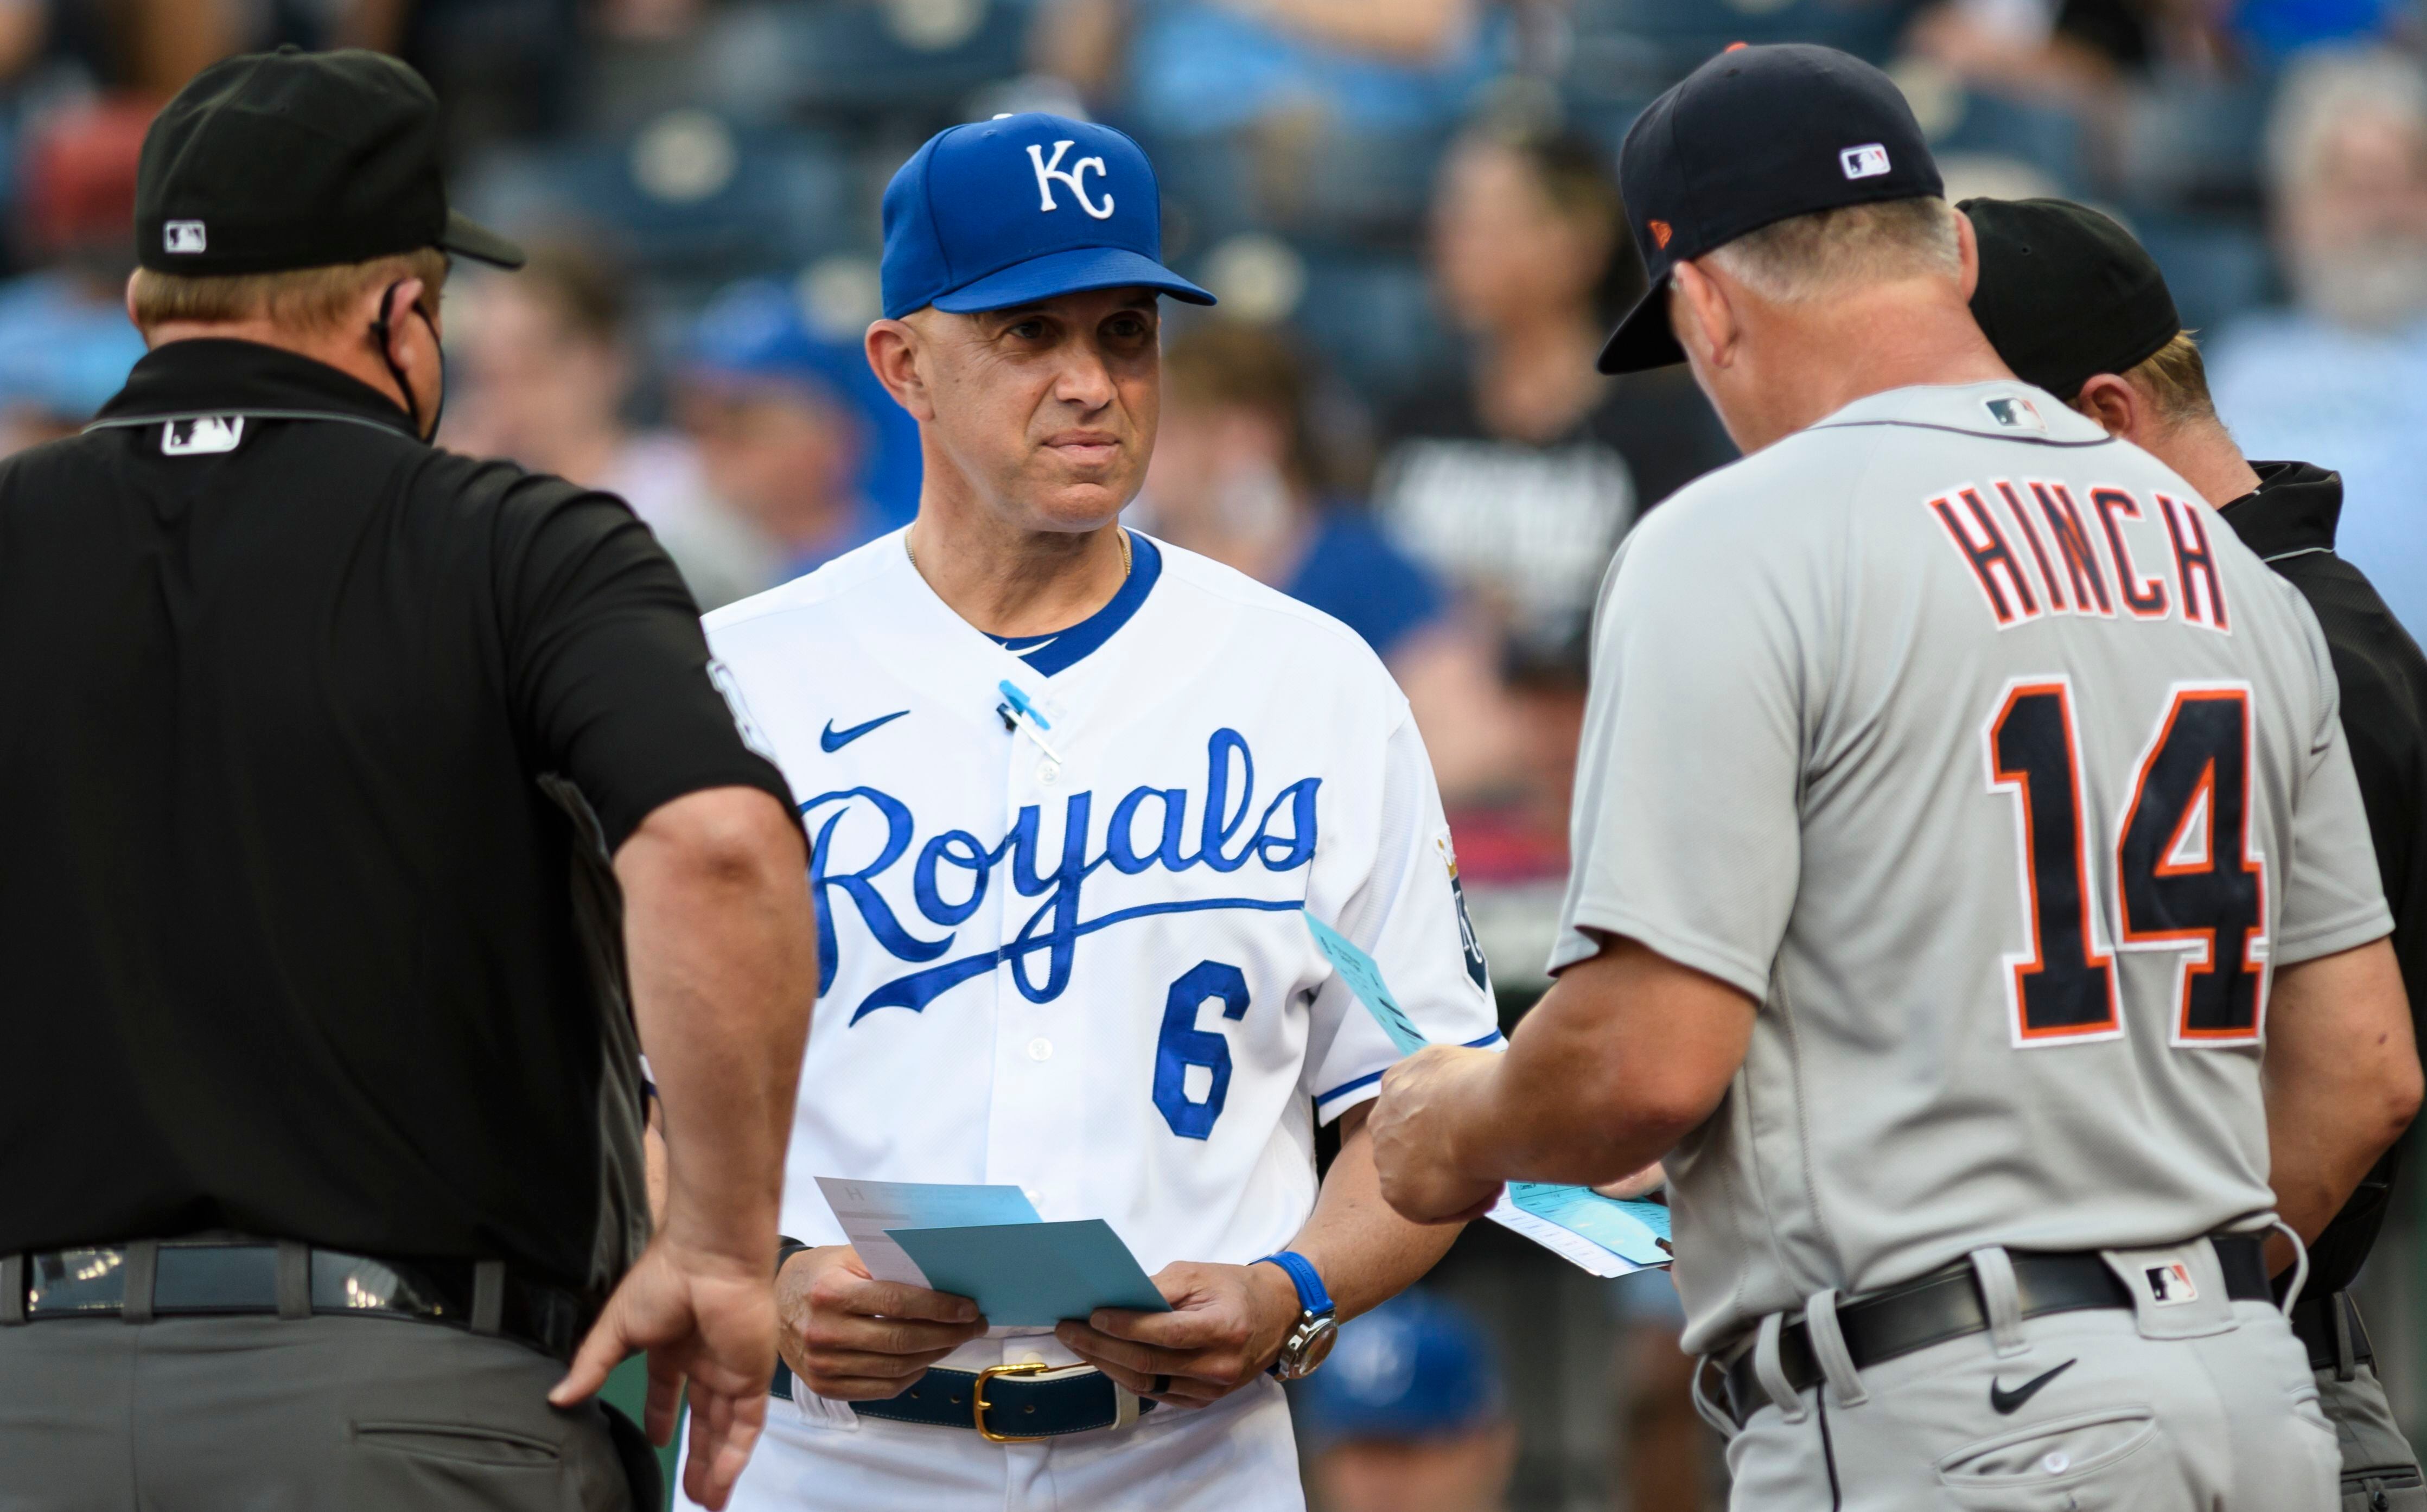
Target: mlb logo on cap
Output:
[(184, 237), (1869, 160), (1022, 208)]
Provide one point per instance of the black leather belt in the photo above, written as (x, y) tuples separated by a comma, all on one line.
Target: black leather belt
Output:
[(1946, 1305), (2328, 1326), (1008, 1404), (198, 1277)]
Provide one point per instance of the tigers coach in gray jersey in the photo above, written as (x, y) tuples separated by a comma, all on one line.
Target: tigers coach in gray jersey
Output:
[(1960, 810)]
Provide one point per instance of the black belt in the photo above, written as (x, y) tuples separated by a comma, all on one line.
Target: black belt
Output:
[(200, 1277), (1009, 1403), (2328, 1326), (1946, 1305)]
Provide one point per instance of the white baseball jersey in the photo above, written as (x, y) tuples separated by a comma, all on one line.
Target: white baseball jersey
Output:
[(1069, 955)]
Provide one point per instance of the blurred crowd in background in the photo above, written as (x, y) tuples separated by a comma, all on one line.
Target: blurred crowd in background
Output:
[(1409, 212)]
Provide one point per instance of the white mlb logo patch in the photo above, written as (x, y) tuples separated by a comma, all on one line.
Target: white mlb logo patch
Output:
[(184, 237), (2170, 1285), (1869, 160), (204, 435)]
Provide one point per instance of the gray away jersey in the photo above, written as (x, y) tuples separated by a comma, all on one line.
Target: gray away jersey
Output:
[(1977, 749)]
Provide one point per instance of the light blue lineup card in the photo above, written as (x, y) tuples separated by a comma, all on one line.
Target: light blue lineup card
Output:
[(1033, 1274), (1631, 1231), (1364, 979), (867, 1209)]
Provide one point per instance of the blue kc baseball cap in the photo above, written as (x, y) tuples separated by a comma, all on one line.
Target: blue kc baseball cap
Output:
[(1416, 1368), (1022, 208)]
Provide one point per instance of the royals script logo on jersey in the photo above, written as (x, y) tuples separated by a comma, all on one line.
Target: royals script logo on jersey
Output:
[(1171, 831)]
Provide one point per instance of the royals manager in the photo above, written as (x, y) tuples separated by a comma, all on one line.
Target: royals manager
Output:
[(1960, 815)]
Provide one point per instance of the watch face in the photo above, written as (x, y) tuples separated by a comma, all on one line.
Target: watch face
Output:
[(1310, 1345)]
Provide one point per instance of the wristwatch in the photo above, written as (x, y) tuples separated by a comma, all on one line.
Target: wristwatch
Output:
[(1310, 1338)]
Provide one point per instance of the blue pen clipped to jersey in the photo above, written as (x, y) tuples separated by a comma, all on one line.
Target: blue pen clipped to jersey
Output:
[(1635, 1235)]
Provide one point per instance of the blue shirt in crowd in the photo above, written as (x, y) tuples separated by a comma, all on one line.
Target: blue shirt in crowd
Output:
[(1353, 573)]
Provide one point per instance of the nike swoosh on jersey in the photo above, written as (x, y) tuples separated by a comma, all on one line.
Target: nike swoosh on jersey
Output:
[(831, 739), (2005, 1403)]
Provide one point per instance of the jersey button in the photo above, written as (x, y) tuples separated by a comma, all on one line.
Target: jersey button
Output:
[(1049, 772), (1040, 1049)]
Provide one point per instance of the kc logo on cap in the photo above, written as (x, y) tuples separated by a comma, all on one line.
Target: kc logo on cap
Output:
[(980, 217), (1047, 172), (1869, 160)]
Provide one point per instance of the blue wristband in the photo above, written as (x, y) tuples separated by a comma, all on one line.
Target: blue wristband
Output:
[(1302, 1275)]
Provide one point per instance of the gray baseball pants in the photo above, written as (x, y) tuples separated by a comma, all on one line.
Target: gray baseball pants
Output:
[(2208, 1406), (217, 1414), (2380, 1468)]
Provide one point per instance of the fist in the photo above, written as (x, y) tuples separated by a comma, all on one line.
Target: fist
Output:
[(1415, 1127)]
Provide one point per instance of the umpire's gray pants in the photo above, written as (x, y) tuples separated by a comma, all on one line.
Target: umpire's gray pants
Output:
[(2223, 1422), (321, 1414), (2380, 1468)]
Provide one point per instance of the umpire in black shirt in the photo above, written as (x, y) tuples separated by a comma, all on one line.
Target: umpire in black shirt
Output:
[(2075, 305), (357, 802)]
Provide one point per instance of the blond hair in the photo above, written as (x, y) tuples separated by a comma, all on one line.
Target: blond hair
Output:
[(1808, 256), (2174, 378), (307, 300)]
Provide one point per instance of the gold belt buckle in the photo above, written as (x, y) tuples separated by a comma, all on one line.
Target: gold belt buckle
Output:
[(978, 1409)]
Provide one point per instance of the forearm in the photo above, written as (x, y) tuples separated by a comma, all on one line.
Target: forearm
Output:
[(2340, 1076), (1365, 1253), (722, 946)]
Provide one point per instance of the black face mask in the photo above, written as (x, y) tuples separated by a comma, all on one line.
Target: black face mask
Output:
[(380, 331)]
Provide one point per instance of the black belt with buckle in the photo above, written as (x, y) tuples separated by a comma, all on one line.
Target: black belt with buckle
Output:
[(201, 1278), (1006, 1403), (2328, 1326), (1946, 1305)]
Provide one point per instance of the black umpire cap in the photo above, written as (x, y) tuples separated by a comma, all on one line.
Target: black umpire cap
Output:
[(2065, 292), (292, 159), (1756, 136)]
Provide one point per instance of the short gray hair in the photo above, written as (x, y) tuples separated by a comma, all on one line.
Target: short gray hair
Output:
[(1808, 257)]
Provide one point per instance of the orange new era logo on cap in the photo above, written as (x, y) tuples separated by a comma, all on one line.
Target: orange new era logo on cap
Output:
[(1661, 232)]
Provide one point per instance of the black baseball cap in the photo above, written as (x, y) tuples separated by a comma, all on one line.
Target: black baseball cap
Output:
[(291, 159), (2065, 292), (1754, 136)]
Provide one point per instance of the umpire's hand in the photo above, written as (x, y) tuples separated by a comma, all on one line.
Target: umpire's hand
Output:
[(706, 1319), (850, 1337)]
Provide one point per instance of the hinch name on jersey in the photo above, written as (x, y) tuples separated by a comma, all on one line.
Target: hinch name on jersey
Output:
[(2036, 551)]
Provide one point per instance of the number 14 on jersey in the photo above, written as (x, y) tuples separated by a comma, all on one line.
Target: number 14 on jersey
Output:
[(2187, 880)]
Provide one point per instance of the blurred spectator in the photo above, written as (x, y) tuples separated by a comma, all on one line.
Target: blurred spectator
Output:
[(782, 432), (548, 364), (547, 367), (65, 341), (1201, 67), (1519, 484), (1664, 1445), (2342, 376), (1409, 1415), (1237, 475)]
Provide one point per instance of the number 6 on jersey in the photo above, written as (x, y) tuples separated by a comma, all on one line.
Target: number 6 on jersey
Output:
[(2187, 879)]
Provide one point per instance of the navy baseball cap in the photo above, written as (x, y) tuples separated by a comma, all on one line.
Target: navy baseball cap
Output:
[(1022, 208), (1415, 1368), (1755, 135)]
